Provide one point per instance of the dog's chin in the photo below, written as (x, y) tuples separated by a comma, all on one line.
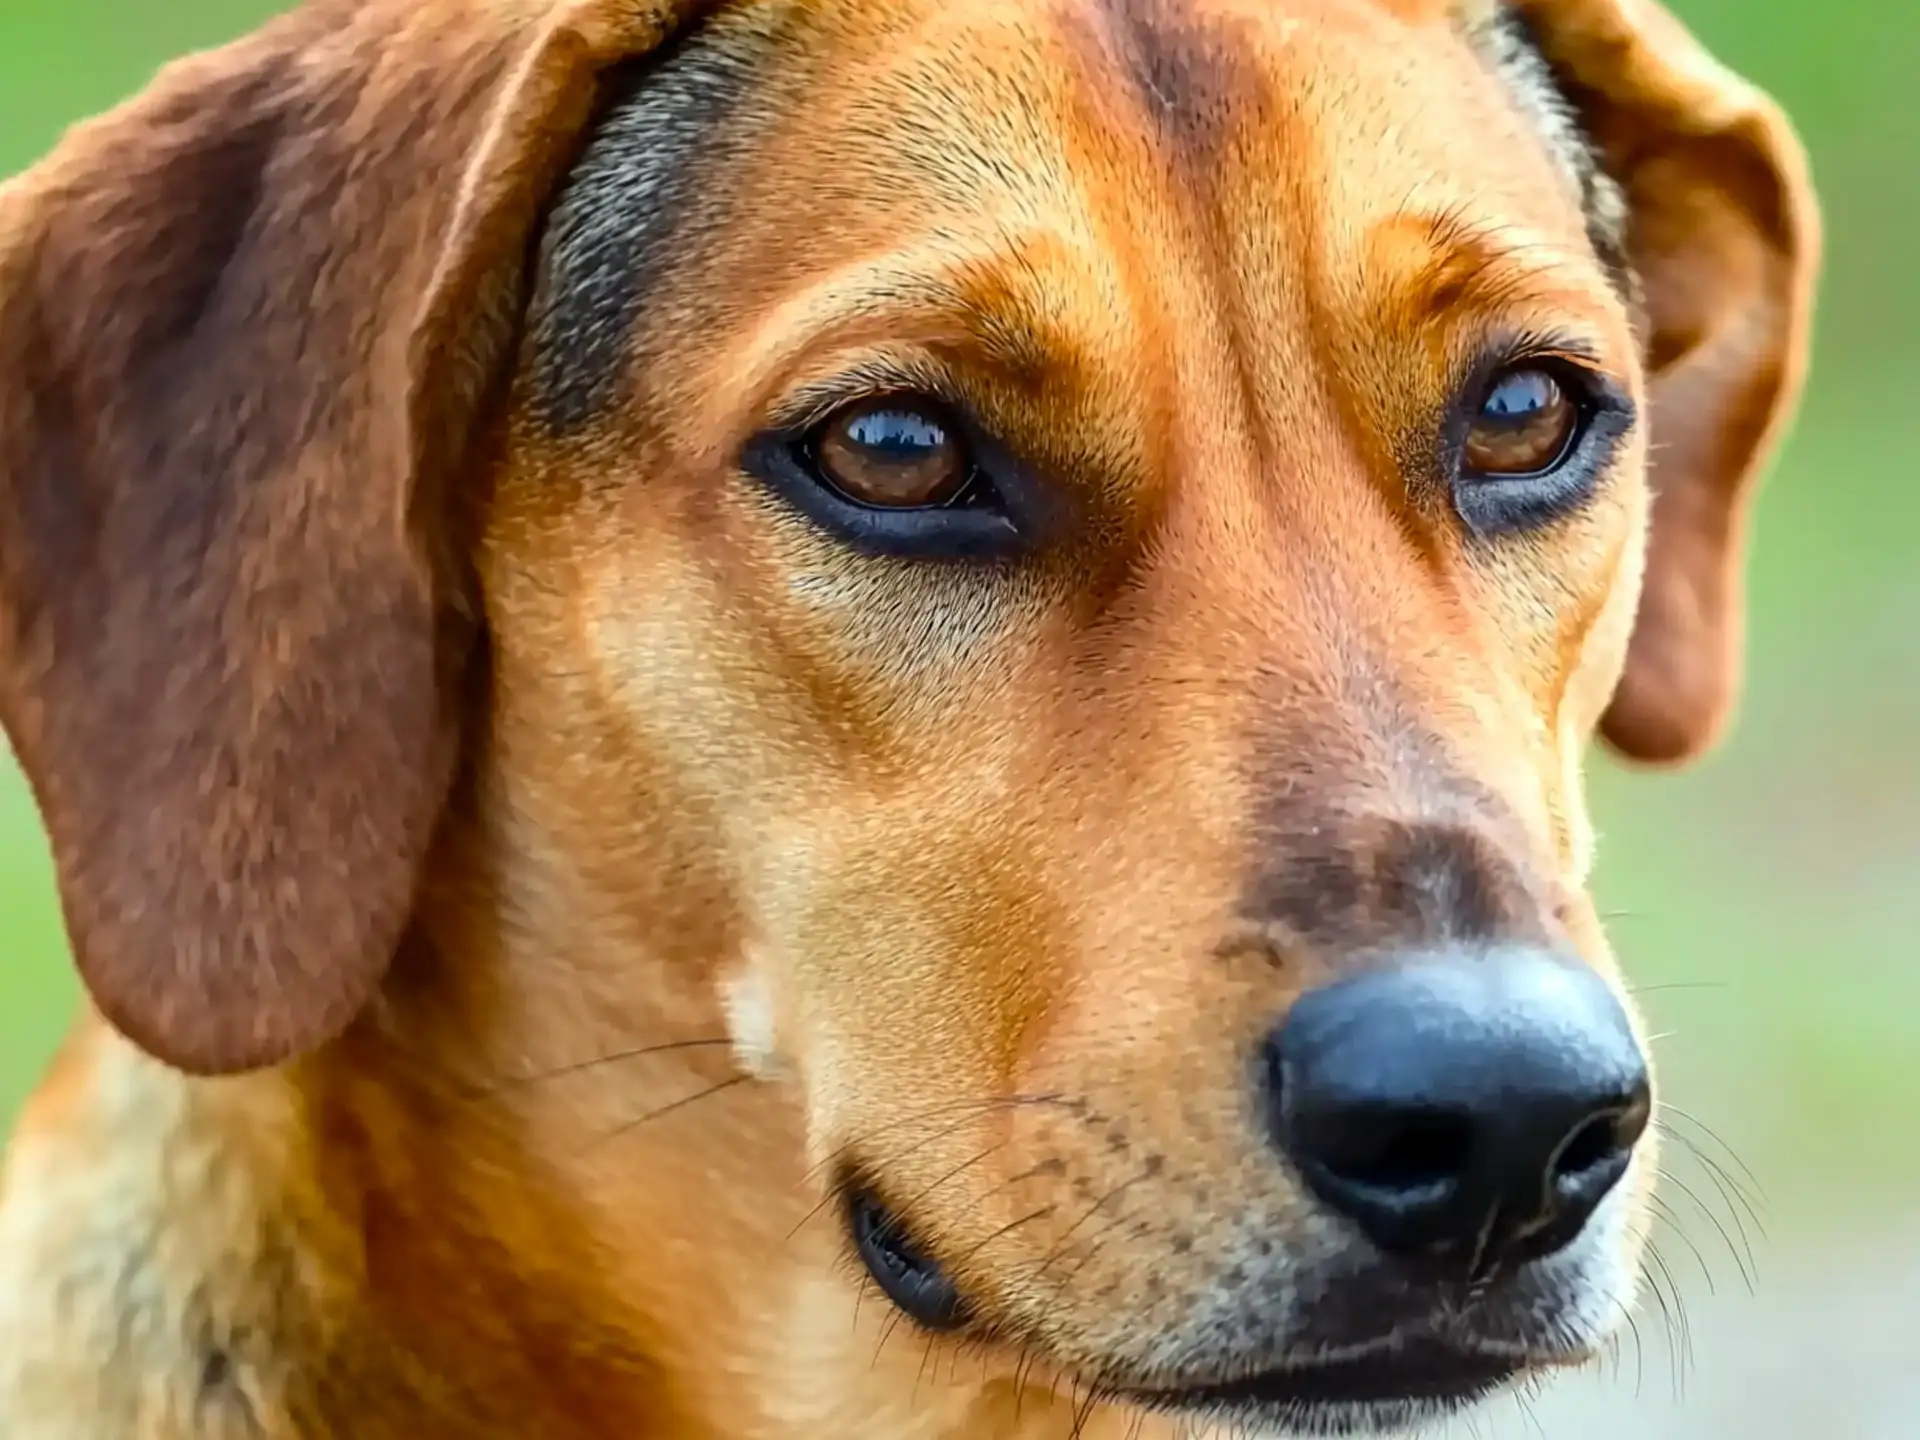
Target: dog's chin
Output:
[(1386, 1391)]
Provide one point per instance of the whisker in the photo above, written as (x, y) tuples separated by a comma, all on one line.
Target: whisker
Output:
[(886, 1334), (1098, 1244), (1008, 1228), (1091, 1211), (1663, 1207), (953, 1174), (1084, 1412), (1639, 1352), (1524, 1396), (974, 1109), (681, 1104), (520, 1082), (926, 1354), (1651, 1272), (1617, 1344), (1742, 1264), (1730, 1186), (1673, 1308), (1668, 1108), (895, 1157), (861, 1142), (1667, 986), (832, 1194), (1742, 1207), (1022, 1378)]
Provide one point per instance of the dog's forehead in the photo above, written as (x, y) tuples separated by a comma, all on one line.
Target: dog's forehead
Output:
[(1283, 134), (1348, 103), (1376, 87), (1189, 54), (1202, 62), (1219, 46)]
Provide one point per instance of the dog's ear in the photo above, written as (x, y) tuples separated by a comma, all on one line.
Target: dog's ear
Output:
[(249, 323), (1722, 234)]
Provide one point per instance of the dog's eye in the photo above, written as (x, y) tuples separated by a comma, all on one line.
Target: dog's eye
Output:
[(892, 455), (1526, 424), (1529, 442), (901, 474)]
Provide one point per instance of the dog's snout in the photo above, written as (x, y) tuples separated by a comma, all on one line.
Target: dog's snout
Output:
[(1471, 1109)]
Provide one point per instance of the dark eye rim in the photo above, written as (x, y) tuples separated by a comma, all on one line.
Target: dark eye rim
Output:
[(1498, 504), (992, 516)]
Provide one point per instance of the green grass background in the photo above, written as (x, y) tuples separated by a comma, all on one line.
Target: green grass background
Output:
[(1768, 903)]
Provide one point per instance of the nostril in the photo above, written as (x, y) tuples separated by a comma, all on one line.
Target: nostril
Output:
[(1597, 1150), (1398, 1150), (1596, 1143)]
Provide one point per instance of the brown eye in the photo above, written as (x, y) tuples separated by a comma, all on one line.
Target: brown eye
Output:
[(893, 455), (1525, 426)]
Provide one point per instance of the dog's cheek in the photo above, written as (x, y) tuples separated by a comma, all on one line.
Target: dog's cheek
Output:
[(1599, 657), (1592, 655)]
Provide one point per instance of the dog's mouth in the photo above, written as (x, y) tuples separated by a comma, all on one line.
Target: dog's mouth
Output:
[(1406, 1381), (1383, 1389), (904, 1273)]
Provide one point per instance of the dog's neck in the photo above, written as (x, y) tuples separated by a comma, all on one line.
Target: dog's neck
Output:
[(494, 1208)]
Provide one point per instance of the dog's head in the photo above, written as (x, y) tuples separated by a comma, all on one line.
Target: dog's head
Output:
[(1064, 555)]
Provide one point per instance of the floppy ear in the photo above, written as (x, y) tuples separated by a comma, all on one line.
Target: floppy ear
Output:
[(1723, 234), (249, 323)]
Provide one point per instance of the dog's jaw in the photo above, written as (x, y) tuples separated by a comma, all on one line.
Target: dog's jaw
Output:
[(173, 1266)]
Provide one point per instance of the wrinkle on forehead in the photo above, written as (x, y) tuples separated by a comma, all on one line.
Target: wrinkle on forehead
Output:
[(1190, 69)]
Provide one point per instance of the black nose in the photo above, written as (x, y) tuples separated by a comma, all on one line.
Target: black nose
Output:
[(1473, 1109)]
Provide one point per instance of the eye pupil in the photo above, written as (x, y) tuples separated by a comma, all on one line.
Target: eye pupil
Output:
[(1525, 426), (892, 456)]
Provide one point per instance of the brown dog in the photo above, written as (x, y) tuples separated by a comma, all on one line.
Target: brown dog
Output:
[(861, 718)]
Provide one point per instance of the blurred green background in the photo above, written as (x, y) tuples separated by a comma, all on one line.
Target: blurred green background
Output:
[(1767, 903)]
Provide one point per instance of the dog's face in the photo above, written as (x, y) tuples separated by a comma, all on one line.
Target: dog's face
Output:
[(1070, 553)]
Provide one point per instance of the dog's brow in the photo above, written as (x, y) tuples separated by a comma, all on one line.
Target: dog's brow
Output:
[(1507, 44), (627, 212), (1453, 262), (990, 305)]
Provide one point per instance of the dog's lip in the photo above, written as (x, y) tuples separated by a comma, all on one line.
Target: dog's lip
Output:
[(1425, 1373), (906, 1275)]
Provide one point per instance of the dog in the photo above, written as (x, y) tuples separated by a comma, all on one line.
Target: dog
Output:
[(863, 718)]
